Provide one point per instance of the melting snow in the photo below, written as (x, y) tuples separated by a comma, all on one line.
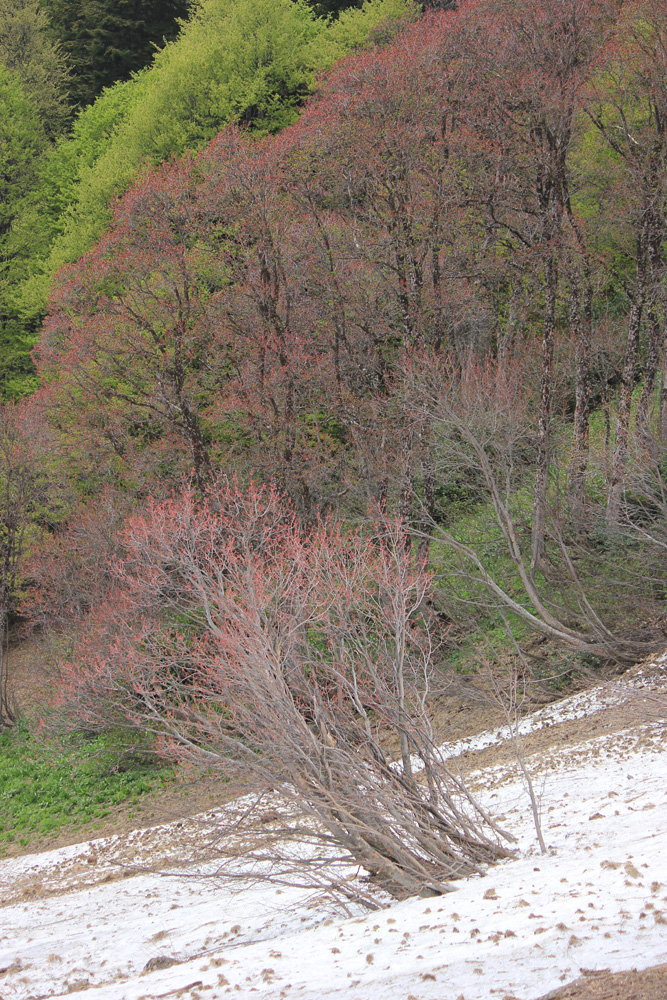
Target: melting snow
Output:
[(597, 900)]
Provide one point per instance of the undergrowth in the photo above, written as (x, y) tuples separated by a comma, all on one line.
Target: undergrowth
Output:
[(43, 790)]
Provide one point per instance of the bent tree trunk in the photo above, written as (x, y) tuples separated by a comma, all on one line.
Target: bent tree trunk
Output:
[(650, 374), (663, 393), (581, 322), (7, 714)]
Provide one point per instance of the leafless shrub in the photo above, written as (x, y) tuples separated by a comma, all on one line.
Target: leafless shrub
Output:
[(508, 688)]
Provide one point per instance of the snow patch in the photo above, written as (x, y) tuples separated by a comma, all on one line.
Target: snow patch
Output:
[(598, 899)]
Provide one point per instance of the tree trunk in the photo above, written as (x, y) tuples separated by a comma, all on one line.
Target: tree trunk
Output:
[(7, 717), (619, 462), (200, 458), (507, 336), (663, 392), (543, 460), (581, 323), (650, 375), (405, 506), (428, 515)]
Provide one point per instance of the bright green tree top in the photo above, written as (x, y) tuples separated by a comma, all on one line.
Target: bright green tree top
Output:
[(252, 61)]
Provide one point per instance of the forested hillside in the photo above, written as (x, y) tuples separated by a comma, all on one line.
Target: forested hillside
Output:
[(352, 380), (251, 61)]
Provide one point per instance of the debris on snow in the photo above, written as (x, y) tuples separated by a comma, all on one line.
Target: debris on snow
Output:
[(597, 900)]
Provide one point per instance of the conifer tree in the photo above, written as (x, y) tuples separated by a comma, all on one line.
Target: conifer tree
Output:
[(331, 8), (108, 40)]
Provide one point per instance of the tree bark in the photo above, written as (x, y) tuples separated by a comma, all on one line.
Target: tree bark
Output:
[(543, 461), (581, 322), (619, 462), (428, 516), (663, 392), (6, 714), (650, 374)]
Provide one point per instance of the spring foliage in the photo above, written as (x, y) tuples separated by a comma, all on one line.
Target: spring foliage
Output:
[(276, 305), (252, 61)]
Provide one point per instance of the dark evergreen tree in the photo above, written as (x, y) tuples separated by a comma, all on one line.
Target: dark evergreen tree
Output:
[(108, 40), (327, 8), (332, 8)]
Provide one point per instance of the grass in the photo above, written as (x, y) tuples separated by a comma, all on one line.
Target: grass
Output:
[(44, 789)]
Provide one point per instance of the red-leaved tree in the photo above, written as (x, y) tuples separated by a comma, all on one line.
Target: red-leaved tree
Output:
[(301, 660)]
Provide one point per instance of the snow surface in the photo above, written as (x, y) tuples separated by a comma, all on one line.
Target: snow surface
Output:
[(577, 706), (597, 900)]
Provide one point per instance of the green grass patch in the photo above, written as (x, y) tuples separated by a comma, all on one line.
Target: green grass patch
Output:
[(46, 789)]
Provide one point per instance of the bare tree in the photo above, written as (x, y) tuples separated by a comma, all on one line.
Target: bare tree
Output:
[(483, 442), (507, 687)]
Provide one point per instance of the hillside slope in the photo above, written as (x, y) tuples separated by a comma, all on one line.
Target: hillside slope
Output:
[(139, 915)]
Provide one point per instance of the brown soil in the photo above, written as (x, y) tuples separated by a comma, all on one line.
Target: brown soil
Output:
[(31, 677), (650, 984), (538, 745)]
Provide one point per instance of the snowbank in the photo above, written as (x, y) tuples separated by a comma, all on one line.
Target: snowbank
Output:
[(597, 900)]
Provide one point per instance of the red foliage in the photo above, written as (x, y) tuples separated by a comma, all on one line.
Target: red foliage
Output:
[(251, 301), (257, 307), (70, 570), (288, 657), (207, 590)]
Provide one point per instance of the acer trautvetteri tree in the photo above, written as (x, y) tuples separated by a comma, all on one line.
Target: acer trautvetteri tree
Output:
[(132, 328), (295, 658), (300, 284), (481, 413)]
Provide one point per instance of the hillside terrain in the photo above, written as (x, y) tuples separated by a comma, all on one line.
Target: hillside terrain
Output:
[(148, 914), (333, 499)]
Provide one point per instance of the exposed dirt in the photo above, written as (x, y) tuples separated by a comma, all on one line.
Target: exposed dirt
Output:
[(650, 984), (536, 745), (31, 676)]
